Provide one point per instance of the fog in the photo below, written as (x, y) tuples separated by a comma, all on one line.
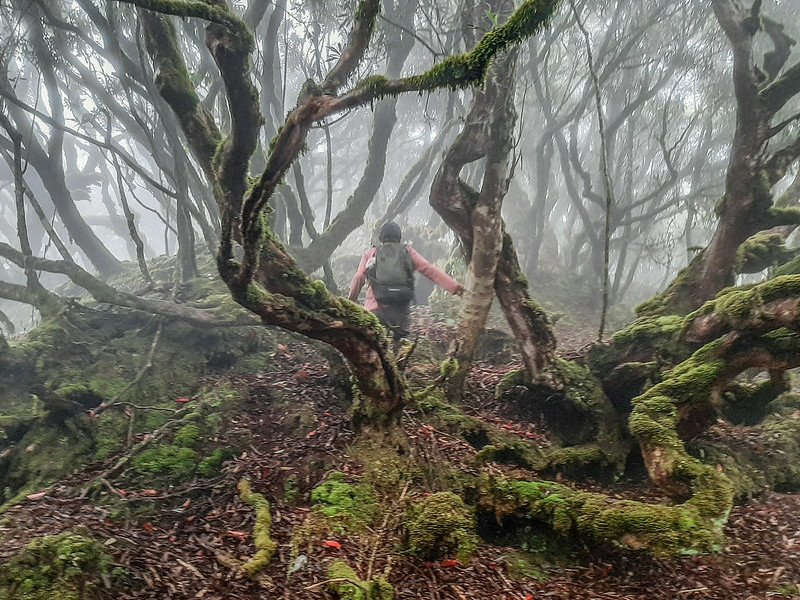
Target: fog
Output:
[(97, 140)]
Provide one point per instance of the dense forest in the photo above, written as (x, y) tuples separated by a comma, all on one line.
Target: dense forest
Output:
[(441, 299)]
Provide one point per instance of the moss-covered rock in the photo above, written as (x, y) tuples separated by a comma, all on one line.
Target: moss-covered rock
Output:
[(440, 526), (347, 506), (72, 363), (68, 566)]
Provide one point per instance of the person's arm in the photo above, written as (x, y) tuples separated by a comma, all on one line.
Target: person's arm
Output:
[(434, 273), (360, 278)]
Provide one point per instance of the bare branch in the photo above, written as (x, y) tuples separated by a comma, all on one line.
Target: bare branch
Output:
[(357, 44), (102, 292)]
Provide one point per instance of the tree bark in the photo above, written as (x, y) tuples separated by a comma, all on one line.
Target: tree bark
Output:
[(747, 206), (486, 219), (267, 280)]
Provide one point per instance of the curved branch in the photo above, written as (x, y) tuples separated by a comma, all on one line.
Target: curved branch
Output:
[(102, 292), (207, 11), (357, 43)]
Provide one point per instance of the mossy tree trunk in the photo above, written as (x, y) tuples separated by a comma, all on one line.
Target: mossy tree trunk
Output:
[(755, 165), (487, 135), (267, 280), (475, 217)]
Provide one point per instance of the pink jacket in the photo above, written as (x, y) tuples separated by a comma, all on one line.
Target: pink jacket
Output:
[(432, 272)]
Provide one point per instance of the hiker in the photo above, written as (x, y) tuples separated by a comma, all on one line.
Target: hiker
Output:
[(389, 270)]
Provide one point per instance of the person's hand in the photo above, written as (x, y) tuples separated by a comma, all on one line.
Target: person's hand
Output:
[(459, 290)]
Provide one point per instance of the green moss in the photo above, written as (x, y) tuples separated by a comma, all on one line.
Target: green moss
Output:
[(291, 489), (737, 304), (787, 590), (109, 435), (441, 525), (347, 506), (654, 420), (464, 69), (265, 545), (212, 465), (173, 461), (373, 83), (347, 585), (387, 465), (509, 381), (647, 329), (660, 529), (448, 368), (523, 565), (432, 403), (188, 436), (68, 566), (762, 251)]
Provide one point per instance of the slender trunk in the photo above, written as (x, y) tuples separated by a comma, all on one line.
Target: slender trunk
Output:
[(487, 224)]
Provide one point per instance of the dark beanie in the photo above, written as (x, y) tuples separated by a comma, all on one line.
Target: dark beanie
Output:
[(390, 232)]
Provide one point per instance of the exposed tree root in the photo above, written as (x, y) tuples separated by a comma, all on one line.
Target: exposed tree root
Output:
[(663, 530), (265, 545)]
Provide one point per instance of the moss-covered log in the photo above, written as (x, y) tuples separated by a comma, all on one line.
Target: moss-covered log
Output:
[(262, 540), (763, 251), (634, 356), (662, 530), (600, 456)]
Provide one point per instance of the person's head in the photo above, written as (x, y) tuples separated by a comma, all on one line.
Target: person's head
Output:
[(390, 232)]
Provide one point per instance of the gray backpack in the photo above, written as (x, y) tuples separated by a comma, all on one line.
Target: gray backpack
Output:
[(392, 275)]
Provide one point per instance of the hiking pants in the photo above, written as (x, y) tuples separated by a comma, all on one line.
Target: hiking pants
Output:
[(396, 318)]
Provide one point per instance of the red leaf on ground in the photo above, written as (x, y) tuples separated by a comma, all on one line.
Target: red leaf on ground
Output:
[(149, 492), (182, 400), (148, 527), (331, 544), (449, 563), (239, 535)]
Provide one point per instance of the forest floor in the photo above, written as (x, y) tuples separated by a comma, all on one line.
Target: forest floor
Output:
[(183, 542)]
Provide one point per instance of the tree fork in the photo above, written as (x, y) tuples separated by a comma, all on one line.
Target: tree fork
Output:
[(267, 280)]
